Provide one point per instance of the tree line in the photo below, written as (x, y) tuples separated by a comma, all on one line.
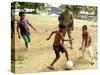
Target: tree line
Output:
[(41, 6)]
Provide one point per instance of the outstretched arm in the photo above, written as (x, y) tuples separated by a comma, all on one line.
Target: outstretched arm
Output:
[(63, 39), (68, 39), (51, 35), (30, 25), (83, 40)]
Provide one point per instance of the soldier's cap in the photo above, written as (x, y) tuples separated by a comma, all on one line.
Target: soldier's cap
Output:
[(68, 7)]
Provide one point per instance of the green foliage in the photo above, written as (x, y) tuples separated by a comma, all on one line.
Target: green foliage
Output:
[(15, 5), (29, 5), (25, 5), (62, 7), (41, 6), (76, 9)]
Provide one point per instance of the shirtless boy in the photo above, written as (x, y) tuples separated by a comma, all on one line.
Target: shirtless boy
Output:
[(57, 44)]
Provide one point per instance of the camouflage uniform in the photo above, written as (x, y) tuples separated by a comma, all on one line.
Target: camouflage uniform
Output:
[(66, 18)]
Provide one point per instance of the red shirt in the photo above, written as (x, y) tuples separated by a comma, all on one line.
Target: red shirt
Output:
[(87, 38)]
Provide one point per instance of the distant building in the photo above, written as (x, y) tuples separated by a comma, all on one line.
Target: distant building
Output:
[(55, 10), (86, 15)]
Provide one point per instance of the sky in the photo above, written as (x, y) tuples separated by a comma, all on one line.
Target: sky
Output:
[(55, 5)]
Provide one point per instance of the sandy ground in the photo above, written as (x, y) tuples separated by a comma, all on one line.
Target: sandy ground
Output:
[(40, 53)]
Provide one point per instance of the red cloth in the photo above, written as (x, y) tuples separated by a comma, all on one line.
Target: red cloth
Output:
[(86, 36)]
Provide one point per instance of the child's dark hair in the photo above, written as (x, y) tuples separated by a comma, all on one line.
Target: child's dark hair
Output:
[(84, 27), (62, 26), (21, 13)]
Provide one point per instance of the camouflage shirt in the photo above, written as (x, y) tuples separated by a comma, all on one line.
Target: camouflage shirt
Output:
[(66, 18)]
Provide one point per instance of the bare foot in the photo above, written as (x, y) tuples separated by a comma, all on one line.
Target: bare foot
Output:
[(80, 49), (80, 57), (71, 47), (92, 62), (51, 67)]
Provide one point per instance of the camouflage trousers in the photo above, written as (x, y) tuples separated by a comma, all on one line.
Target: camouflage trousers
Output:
[(68, 30)]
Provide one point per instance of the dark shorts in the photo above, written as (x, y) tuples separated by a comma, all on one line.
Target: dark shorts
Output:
[(58, 49)]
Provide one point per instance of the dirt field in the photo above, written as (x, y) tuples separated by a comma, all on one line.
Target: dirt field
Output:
[(40, 53)]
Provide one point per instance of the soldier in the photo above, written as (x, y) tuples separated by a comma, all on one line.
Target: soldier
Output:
[(66, 18)]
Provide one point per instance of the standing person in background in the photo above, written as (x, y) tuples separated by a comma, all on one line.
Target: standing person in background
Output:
[(66, 18)]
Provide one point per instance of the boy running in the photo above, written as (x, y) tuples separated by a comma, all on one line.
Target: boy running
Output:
[(58, 44), (86, 43), (22, 28)]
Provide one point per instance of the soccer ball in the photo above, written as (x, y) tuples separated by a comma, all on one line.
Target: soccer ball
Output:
[(69, 65)]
